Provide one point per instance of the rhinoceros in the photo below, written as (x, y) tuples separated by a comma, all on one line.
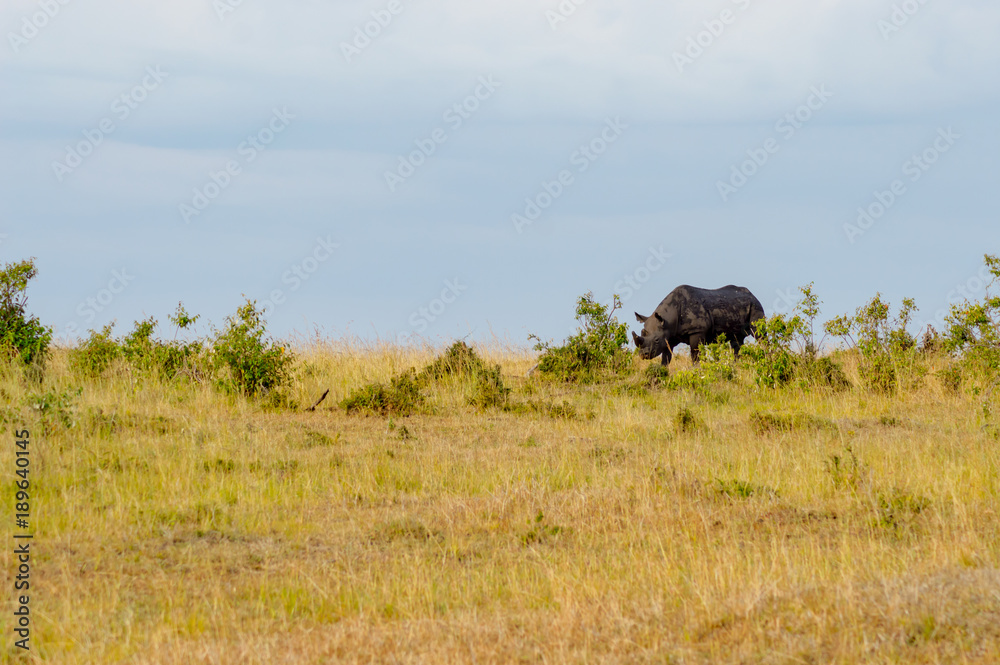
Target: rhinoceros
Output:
[(693, 316)]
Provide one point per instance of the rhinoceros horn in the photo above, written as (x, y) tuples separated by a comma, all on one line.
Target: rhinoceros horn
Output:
[(636, 339)]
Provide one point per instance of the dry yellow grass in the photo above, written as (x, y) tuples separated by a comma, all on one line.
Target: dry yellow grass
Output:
[(178, 525)]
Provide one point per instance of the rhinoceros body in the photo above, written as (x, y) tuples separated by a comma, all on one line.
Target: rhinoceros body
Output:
[(693, 316)]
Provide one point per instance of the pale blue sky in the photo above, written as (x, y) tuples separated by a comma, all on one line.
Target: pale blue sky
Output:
[(506, 98)]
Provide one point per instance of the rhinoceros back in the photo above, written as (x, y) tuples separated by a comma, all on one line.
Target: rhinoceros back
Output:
[(729, 310)]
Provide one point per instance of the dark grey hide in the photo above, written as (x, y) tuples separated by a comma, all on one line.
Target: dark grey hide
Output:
[(693, 316)]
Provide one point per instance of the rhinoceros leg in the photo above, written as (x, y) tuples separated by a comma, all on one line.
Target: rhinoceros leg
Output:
[(737, 343), (695, 341)]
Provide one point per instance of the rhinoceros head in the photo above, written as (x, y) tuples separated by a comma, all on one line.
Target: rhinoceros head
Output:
[(653, 340)]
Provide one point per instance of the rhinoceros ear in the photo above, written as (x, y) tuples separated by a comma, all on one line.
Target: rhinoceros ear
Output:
[(640, 318), (637, 340), (658, 317)]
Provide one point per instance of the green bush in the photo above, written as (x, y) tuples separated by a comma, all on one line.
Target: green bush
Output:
[(489, 391), (771, 358), (401, 397), (764, 423), (951, 377), (56, 409), (460, 359), (807, 309), (897, 509), (973, 334), (812, 368), (845, 470), (889, 353), (824, 371), (404, 394), (741, 489), (786, 349), (22, 337), (685, 420), (167, 358), (717, 360), (96, 353), (596, 351), (249, 361), (655, 375), (141, 350)]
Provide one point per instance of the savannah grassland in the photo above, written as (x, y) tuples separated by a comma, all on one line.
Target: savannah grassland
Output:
[(712, 524)]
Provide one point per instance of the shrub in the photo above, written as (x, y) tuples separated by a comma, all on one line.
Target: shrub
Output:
[(931, 342), (811, 368), (55, 409), (951, 377), (741, 489), (764, 423), (598, 348), (489, 390), (807, 310), (845, 470), (685, 420), (96, 353), (656, 375), (824, 371), (717, 360), (401, 397), (140, 350), (175, 357), (888, 351), (460, 359), (771, 358), (786, 349), (143, 352), (22, 337), (252, 363), (897, 509), (168, 358), (685, 380), (973, 333), (771, 422)]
